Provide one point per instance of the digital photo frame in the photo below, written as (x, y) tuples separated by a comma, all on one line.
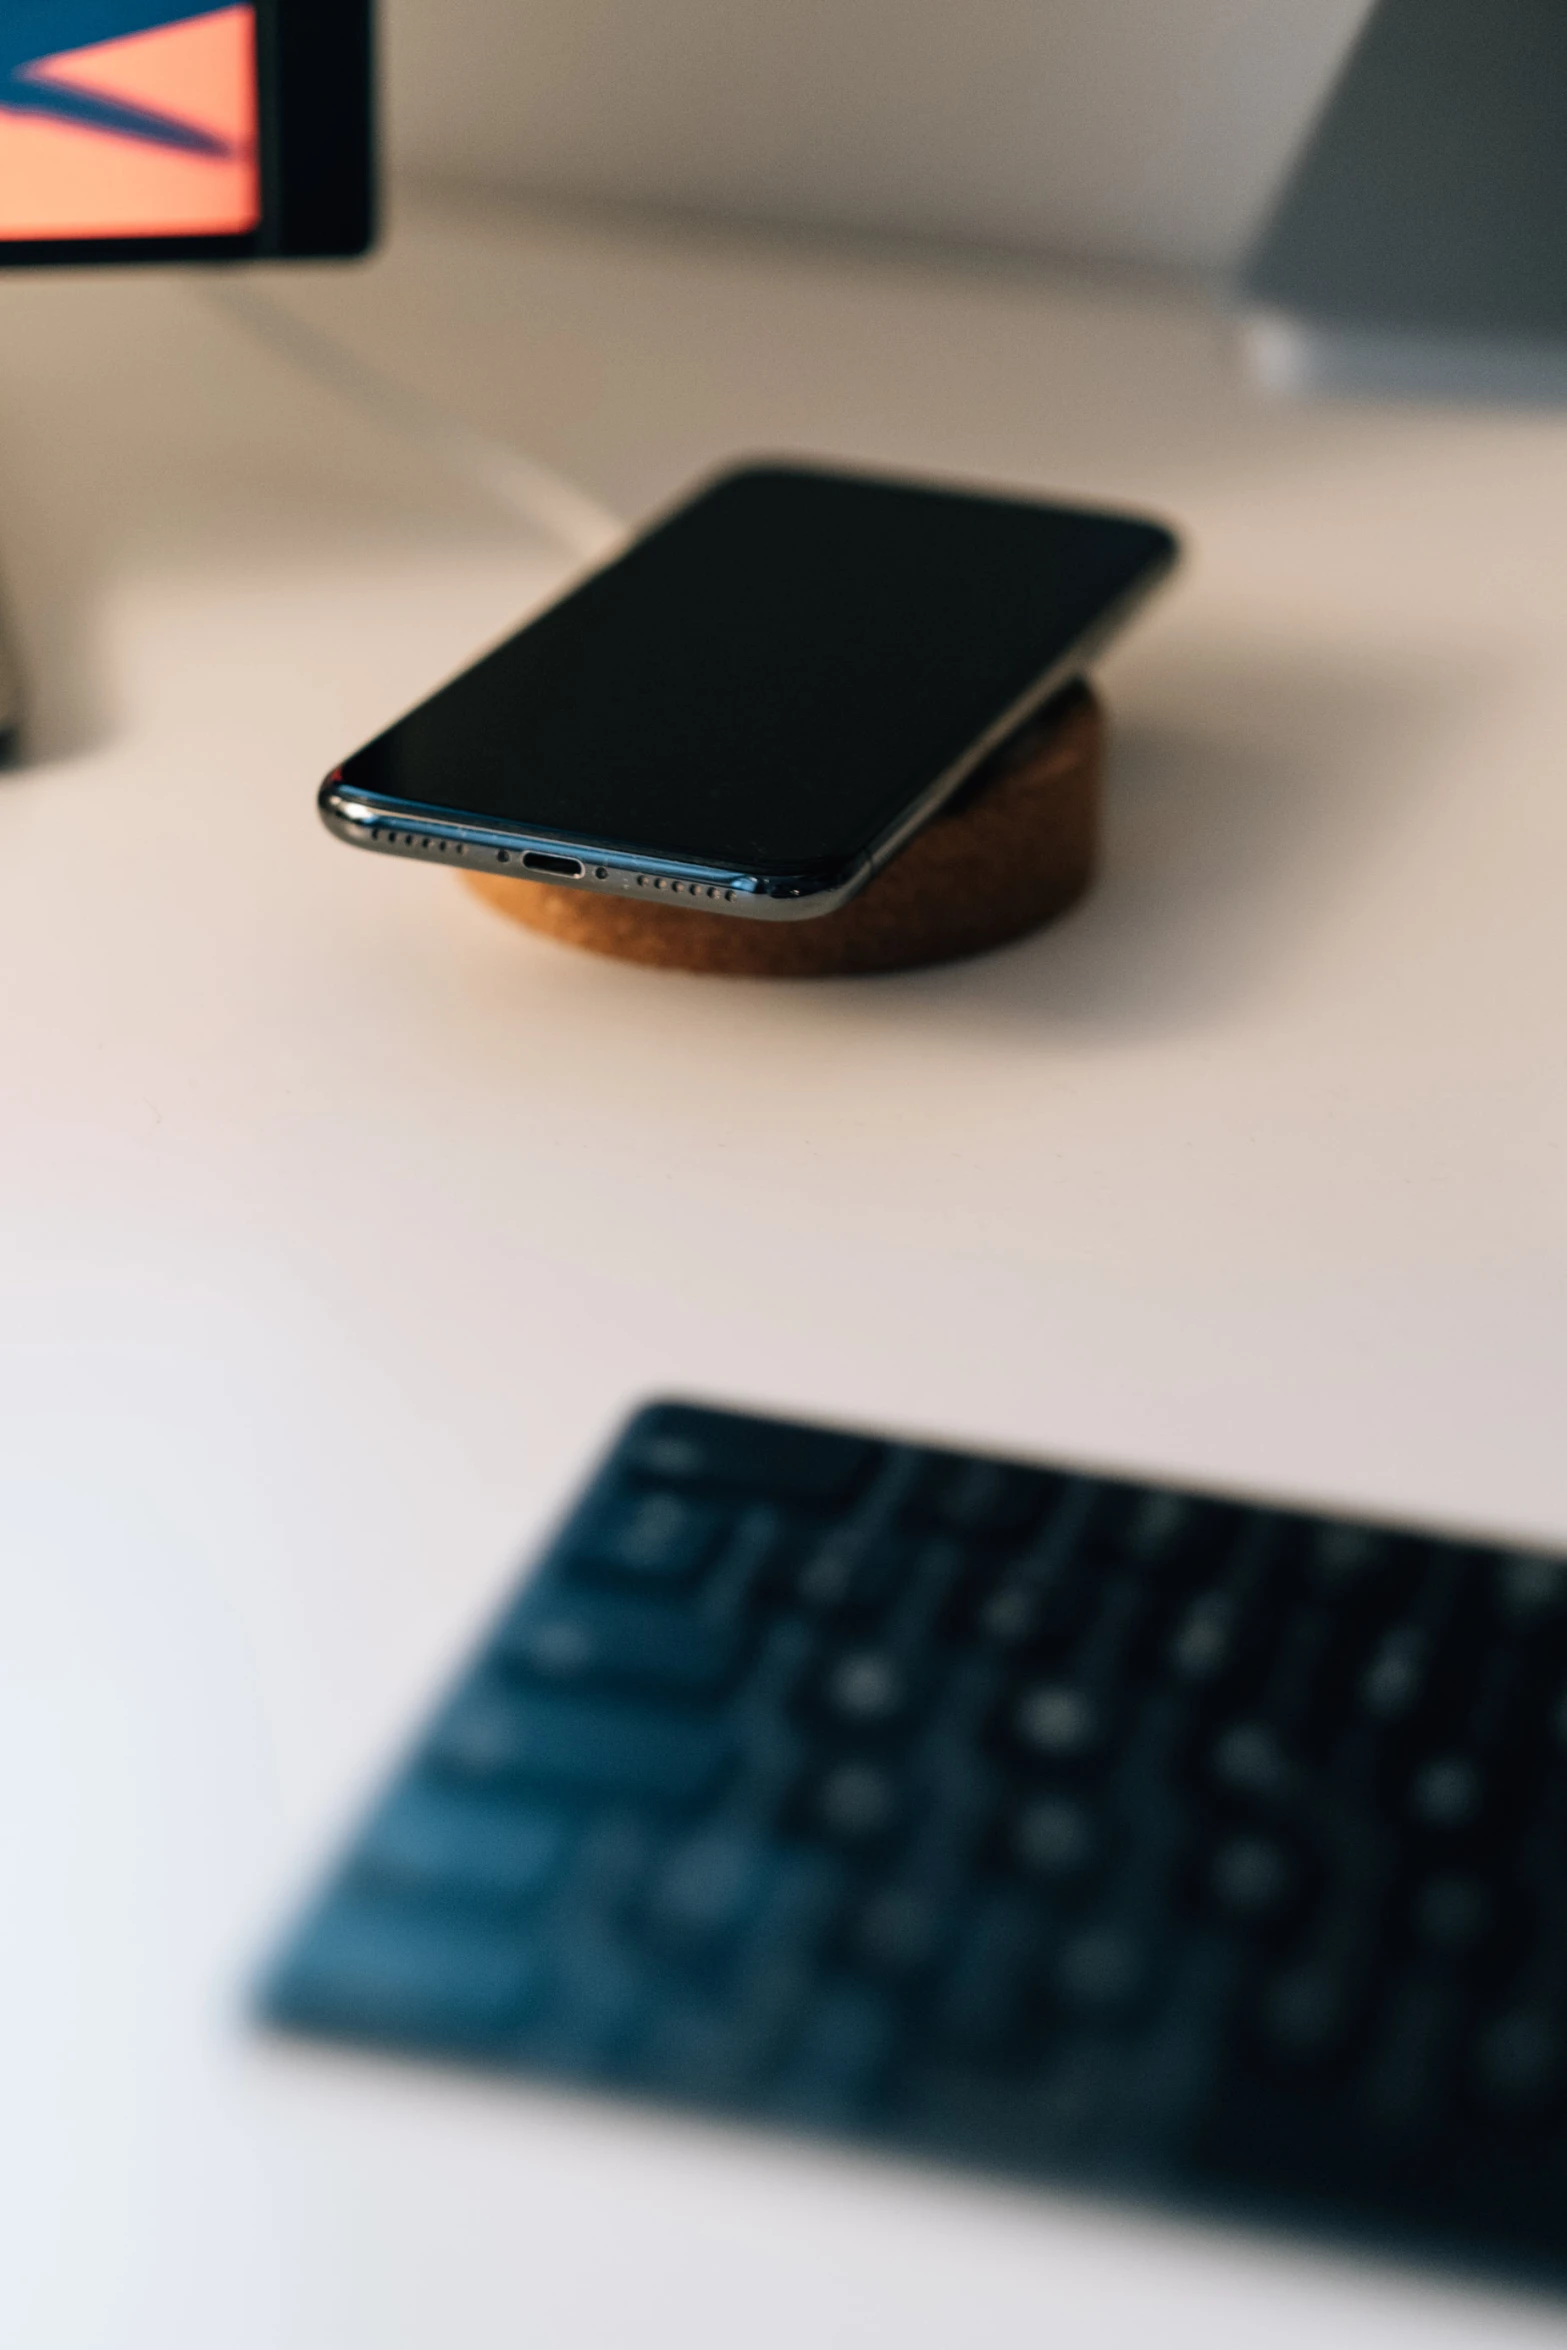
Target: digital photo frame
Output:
[(184, 130)]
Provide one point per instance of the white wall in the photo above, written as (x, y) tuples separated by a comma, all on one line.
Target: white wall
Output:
[(1152, 129)]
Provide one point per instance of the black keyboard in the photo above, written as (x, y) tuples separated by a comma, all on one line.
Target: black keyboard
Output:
[(1117, 1835)]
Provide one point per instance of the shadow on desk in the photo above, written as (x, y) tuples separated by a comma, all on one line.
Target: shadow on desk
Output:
[(1246, 797)]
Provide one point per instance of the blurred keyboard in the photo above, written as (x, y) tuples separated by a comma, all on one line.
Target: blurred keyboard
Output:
[(1122, 1836)]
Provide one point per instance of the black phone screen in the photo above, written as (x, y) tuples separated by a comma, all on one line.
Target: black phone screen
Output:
[(771, 676)]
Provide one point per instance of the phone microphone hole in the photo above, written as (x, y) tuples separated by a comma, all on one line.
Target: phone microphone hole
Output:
[(538, 862)]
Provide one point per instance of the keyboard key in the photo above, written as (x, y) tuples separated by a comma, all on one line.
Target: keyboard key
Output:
[(682, 1445), (586, 1638), (1057, 1723), (1453, 1913), (1216, 1630), (835, 2067), (1415, 1656), (1347, 1559), (705, 1890), (849, 1574), (1156, 1528), (991, 1989), (706, 2050), (1519, 2061), (439, 1842), (599, 1999), (650, 1538), (1248, 1761), (1253, 1880), (1205, 1638), (497, 1733), (1025, 1612), (375, 1969), (1041, 1598), (864, 1689), (854, 1803), (1309, 2012), (899, 1931), (1534, 1588), (1448, 1793), (1102, 1971), (1396, 1679), (1408, 2078), (1054, 1838), (987, 1501)]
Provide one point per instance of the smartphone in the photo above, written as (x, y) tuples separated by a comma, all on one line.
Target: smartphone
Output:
[(756, 705)]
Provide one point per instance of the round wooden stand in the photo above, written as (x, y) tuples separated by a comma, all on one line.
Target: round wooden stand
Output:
[(1013, 850)]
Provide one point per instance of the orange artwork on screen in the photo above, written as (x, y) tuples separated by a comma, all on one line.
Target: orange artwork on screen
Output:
[(148, 134)]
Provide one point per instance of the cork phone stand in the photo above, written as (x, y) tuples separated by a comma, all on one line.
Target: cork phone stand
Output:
[(1015, 848)]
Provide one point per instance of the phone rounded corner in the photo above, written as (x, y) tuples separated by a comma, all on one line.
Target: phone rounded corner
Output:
[(762, 469), (1172, 546), (1168, 550), (807, 897), (332, 807)]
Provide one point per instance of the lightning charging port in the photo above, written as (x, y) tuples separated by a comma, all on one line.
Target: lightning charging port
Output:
[(537, 862)]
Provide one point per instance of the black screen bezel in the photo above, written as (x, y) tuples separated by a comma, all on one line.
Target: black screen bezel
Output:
[(315, 72)]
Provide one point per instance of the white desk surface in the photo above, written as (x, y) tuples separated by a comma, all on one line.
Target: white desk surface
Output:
[(339, 1222)]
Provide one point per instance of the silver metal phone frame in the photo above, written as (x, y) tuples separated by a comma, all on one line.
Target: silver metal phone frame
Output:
[(393, 828)]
